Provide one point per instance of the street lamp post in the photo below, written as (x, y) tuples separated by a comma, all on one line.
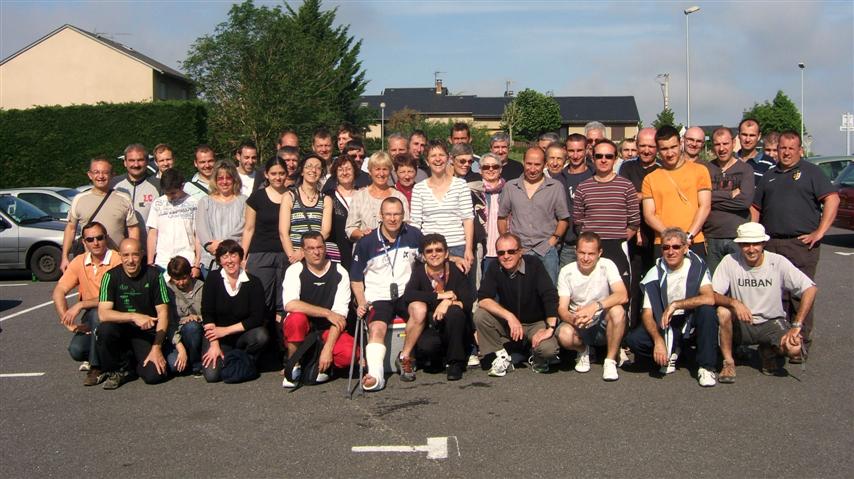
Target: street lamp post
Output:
[(688, 11), (802, 66), (382, 126)]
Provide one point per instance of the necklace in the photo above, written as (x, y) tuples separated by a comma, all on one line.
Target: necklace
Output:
[(309, 197)]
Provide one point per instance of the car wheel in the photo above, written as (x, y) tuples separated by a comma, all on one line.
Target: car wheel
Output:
[(44, 263)]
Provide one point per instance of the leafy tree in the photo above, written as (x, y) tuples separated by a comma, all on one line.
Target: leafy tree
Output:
[(404, 121), (666, 117), (510, 118), (538, 114), (780, 114), (265, 69)]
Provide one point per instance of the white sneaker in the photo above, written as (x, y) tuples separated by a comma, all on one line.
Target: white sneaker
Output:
[(706, 378), (609, 370), (84, 366), (321, 378), (671, 364), (582, 361), (624, 360), (296, 374), (501, 365), (473, 361)]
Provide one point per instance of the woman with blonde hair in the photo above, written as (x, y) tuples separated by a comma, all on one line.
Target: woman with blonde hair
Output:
[(365, 206), (220, 214)]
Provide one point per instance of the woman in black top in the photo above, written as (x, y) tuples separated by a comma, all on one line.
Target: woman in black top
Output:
[(265, 257), (439, 289), (233, 311), (344, 170)]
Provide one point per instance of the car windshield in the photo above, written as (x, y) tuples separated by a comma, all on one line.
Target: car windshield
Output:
[(846, 176), (21, 211)]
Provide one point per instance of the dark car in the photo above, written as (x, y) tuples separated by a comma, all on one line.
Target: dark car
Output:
[(845, 183)]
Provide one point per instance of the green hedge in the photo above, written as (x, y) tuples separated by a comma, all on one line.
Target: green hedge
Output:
[(51, 146)]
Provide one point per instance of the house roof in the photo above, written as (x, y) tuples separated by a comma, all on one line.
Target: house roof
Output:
[(124, 49), (574, 109)]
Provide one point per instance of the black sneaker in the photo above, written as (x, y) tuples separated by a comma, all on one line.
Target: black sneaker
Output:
[(115, 379), (455, 371)]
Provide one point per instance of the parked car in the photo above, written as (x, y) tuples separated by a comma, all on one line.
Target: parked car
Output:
[(54, 201), (831, 165), (845, 183), (29, 239)]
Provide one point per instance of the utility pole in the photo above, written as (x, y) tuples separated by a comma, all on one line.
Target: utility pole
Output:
[(847, 127), (665, 88)]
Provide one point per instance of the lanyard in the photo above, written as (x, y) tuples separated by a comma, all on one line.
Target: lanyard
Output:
[(385, 249)]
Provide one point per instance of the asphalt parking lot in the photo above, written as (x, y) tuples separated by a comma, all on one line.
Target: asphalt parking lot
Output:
[(562, 424)]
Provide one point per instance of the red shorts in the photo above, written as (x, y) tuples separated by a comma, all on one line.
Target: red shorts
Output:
[(296, 325)]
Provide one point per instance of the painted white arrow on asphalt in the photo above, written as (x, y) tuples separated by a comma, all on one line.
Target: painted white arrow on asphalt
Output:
[(436, 448)]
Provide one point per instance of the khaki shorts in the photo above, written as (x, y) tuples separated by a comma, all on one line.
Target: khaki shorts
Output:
[(768, 333)]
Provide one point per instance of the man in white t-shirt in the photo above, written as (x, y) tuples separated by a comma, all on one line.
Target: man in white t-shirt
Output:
[(246, 158), (591, 294), (749, 288), (678, 302), (171, 225)]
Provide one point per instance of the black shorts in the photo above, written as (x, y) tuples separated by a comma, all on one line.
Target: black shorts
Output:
[(386, 311)]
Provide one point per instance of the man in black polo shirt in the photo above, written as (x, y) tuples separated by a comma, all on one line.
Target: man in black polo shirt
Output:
[(797, 204), (316, 295), (134, 313), (517, 300)]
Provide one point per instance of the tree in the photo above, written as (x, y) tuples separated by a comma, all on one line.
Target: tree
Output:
[(666, 117), (779, 115), (404, 121), (510, 118), (538, 114), (265, 69)]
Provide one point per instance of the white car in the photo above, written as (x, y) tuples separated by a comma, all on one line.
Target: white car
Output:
[(53, 200), (29, 239)]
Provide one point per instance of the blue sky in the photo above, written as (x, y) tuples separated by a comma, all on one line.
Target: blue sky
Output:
[(741, 52)]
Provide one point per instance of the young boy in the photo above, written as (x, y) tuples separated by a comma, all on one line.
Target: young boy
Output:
[(186, 328)]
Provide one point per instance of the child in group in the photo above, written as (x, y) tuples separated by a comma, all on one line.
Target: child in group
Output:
[(185, 327)]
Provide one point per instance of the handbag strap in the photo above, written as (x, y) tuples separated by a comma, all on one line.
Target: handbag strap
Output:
[(101, 204)]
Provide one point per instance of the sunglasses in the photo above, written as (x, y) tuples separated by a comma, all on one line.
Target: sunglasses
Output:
[(92, 239), (607, 156), (490, 167), (668, 247), (465, 162), (503, 252), (434, 250)]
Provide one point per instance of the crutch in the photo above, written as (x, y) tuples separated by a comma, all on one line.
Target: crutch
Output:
[(358, 342)]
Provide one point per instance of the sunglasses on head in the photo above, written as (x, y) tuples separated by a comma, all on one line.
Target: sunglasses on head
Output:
[(490, 167), (607, 156), (668, 247), (434, 250), (503, 252), (92, 239)]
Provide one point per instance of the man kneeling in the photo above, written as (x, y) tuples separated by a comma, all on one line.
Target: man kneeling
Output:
[(134, 314), (316, 295), (590, 298), (749, 293)]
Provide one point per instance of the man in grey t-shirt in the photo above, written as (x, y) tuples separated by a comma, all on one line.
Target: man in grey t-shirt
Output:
[(749, 294)]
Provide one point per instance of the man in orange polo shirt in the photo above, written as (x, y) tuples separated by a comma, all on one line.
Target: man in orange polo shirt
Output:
[(85, 273), (679, 194)]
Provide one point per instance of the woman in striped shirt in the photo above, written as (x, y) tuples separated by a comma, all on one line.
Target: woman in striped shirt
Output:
[(304, 209), (442, 204)]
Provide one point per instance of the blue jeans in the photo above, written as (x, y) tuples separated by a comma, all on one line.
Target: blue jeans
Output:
[(567, 254), (191, 338), (82, 345), (716, 249), (550, 261)]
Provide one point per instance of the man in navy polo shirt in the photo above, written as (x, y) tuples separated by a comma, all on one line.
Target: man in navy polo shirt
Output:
[(796, 204), (382, 264)]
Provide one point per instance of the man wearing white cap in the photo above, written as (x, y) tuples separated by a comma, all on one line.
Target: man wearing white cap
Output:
[(749, 288)]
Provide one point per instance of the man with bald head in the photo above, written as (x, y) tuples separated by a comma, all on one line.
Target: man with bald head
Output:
[(133, 309), (537, 211), (693, 142)]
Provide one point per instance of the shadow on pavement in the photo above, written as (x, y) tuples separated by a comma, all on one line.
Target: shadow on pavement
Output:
[(7, 304)]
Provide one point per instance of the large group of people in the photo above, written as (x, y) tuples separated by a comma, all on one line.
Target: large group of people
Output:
[(637, 249)]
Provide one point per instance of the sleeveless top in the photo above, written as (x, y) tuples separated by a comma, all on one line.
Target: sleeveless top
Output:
[(306, 218)]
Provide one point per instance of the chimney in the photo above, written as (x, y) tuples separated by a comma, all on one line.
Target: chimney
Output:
[(438, 86)]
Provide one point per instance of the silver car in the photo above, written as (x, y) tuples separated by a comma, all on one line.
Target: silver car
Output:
[(53, 200), (29, 239)]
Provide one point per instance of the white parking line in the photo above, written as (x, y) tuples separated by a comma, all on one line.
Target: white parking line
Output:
[(13, 284), (21, 375), (436, 448), (32, 309), (843, 253)]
